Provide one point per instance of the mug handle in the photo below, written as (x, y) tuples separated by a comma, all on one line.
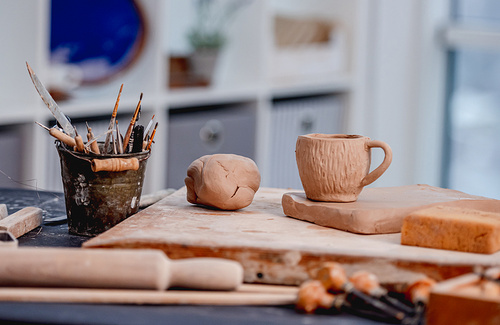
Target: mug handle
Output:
[(375, 174)]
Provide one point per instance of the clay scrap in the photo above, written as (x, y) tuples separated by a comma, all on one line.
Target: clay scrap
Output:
[(380, 210), (223, 181)]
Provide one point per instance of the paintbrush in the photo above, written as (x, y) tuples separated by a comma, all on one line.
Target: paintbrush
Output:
[(152, 137), (126, 139), (112, 121)]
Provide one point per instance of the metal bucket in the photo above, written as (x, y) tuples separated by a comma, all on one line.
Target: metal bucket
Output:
[(96, 201)]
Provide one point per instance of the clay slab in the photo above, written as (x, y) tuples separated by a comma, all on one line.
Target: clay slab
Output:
[(380, 210)]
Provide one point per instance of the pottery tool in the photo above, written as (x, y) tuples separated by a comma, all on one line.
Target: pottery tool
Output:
[(95, 138), (93, 146), (368, 283), (115, 268), (112, 121), (148, 147), (333, 277), (119, 140), (313, 297), (138, 135), (79, 143), (22, 222), (126, 138), (51, 104), (246, 294), (63, 137)]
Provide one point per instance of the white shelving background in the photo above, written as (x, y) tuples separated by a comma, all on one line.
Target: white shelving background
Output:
[(243, 76)]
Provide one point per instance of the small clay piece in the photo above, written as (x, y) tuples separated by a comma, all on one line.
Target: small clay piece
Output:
[(223, 181), (336, 167)]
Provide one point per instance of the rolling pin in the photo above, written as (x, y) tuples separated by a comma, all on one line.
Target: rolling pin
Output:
[(114, 268)]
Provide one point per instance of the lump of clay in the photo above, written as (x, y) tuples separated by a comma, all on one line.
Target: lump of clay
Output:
[(223, 181)]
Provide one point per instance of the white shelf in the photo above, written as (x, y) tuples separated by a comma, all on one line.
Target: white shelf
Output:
[(242, 77)]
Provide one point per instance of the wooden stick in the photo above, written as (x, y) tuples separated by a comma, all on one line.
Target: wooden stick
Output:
[(112, 121), (149, 297), (132, 123)]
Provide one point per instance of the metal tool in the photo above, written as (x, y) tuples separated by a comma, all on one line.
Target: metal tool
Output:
[(51, 104)]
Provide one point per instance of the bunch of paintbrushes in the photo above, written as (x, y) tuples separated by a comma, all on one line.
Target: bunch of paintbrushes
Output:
[(136, 139)]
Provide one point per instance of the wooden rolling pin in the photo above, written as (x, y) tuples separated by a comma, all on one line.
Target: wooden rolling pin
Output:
[(114, 268)]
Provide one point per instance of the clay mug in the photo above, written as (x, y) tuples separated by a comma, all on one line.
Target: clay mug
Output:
[(336, 167)]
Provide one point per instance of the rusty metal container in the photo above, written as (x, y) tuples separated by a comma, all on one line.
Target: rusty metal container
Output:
[(96, 201)]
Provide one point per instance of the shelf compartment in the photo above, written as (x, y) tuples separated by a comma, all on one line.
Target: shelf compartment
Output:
[(200, 131)]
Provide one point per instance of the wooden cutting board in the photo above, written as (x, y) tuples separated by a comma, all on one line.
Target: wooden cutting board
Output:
[(277, 249)]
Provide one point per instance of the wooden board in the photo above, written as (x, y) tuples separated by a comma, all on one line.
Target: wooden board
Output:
[(277, 249), (380, 210)]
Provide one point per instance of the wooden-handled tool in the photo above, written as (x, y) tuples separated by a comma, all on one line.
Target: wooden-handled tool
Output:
[(59, 135), (114, 268)]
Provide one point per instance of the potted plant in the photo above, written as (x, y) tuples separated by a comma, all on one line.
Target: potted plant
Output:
[(208, 36)]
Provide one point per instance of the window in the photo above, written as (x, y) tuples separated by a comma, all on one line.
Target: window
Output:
[(472, 144)]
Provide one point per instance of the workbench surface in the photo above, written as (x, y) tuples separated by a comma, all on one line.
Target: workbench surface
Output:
[(56, 234)]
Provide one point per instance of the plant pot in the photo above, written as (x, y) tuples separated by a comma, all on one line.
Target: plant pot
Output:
[(203, 62)]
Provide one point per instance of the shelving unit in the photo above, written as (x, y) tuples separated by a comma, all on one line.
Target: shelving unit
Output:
[(243, 81)]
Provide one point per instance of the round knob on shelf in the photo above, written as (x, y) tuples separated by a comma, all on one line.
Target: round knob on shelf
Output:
[(212, 134)]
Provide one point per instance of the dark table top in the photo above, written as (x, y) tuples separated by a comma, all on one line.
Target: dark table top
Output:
[(55, 234)]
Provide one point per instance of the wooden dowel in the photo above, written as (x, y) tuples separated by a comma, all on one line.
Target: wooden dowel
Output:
[(149, 297)]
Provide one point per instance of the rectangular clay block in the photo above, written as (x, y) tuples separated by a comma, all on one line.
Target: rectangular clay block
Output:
[(453, 228), (380, 210)]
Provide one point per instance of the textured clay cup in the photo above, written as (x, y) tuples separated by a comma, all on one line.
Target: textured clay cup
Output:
[(336, 167)]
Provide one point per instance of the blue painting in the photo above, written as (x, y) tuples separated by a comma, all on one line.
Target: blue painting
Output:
[(102, 38)]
